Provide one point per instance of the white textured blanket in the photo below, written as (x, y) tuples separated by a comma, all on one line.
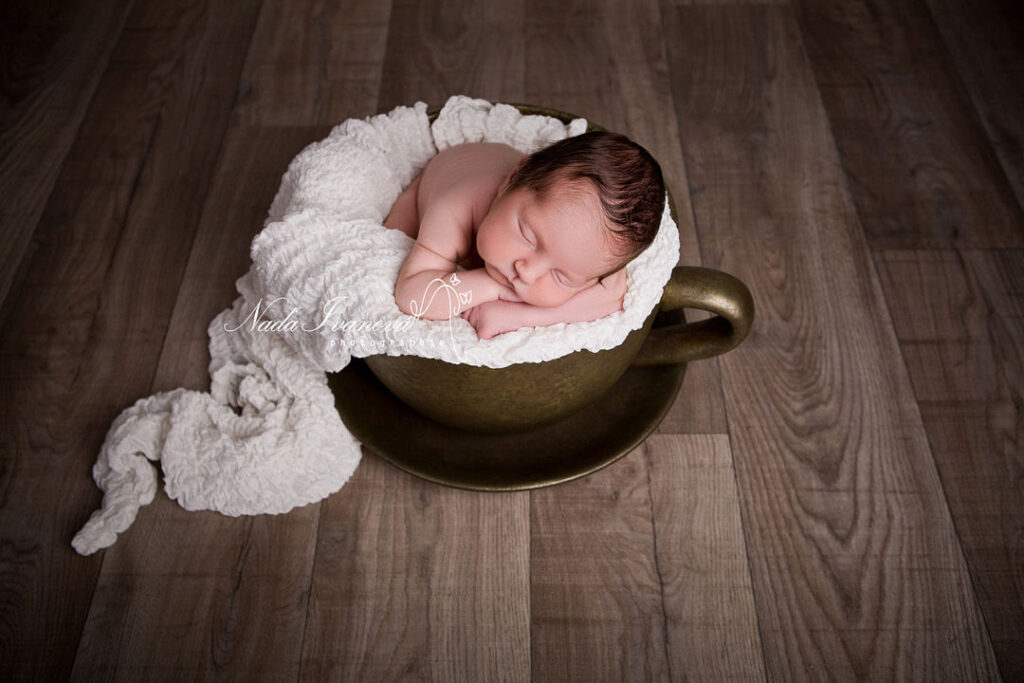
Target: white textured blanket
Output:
[(267, 438)]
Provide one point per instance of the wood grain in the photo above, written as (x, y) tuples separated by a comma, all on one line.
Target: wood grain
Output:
[(469, 47), (941, 317), (958, 317), (314, 64), (707, 597), (597, 611), (983, 39), (52, 57), (416, 581), (855, 562), (254, 573), (79, 357), (921, 171)]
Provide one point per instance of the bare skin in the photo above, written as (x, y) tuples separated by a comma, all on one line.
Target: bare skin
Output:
[(527, 261)]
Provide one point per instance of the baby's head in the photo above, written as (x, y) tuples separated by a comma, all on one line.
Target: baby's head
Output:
[(571, 214)]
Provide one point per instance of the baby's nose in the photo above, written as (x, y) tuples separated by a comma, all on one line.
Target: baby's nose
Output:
[(526, 270)]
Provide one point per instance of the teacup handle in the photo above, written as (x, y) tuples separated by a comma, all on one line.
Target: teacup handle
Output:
[(709, 290)]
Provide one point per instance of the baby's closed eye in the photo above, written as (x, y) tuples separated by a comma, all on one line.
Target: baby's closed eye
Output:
[(523, 232)]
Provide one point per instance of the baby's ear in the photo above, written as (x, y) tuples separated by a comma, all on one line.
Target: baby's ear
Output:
[(508, 180), (511, 176), (515, 171)]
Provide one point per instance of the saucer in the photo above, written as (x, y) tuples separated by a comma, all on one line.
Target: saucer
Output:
[(582, 443)]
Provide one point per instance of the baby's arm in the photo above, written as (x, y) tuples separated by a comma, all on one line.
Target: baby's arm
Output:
[(428, 285), (597, 301)]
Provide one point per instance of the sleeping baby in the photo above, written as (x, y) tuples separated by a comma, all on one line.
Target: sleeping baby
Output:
[(527, 240)]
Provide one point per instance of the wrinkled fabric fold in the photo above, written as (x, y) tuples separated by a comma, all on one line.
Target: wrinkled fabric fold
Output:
[(267, 438)]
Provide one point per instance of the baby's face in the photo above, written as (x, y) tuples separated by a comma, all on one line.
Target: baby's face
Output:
[(548, 250)]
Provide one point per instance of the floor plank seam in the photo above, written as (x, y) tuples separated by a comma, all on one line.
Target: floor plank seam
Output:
[(309, 590), (657, 563), (936, 470), (954, 69), (744, 525), (529, 575)]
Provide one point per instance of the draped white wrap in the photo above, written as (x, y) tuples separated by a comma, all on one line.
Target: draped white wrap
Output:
[(267, 438)]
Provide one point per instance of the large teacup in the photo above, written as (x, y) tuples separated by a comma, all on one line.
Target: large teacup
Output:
[(527, 396)]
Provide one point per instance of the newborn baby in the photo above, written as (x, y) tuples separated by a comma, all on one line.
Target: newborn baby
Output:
[(526, 240)]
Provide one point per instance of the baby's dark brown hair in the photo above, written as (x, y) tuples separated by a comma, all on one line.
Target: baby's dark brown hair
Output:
[(627, 178)]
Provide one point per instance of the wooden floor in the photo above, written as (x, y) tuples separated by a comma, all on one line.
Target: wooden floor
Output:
[(842, 497)]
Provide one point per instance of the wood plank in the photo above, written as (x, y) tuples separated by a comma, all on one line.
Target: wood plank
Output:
[(418, 581), (75, 363), (960, 322), (598, 611), (53, 56), (708, 600), (198, 594), (692, 3), (983, 39), (856, 566), (699, 407), (436, 50), (942, 322), (920, 168), (314, 64), (597, 607), (413, 580), (247, 580)]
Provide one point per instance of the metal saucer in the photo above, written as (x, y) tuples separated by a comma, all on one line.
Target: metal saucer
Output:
[(574, 447)]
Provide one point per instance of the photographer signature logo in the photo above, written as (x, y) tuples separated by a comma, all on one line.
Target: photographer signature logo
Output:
[(292, 321), (456, 300)]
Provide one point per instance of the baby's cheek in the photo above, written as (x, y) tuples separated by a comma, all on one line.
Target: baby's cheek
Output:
[(548, 296)]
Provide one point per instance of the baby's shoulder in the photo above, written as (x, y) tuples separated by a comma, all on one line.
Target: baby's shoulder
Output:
[(480, 155), (467, 173)]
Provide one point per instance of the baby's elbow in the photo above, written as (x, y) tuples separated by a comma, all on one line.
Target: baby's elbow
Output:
[(402, 298), (413, 302), (407, 310)]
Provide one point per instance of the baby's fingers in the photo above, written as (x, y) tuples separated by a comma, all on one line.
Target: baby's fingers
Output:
[(509, 294)]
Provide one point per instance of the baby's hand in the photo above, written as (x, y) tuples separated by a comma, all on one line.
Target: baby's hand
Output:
[(491, 319), (508, 294)]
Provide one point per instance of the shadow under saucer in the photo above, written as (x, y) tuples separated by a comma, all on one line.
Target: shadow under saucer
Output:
[(578, 445)]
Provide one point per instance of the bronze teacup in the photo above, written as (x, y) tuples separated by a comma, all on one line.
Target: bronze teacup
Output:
[(526, 396)]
